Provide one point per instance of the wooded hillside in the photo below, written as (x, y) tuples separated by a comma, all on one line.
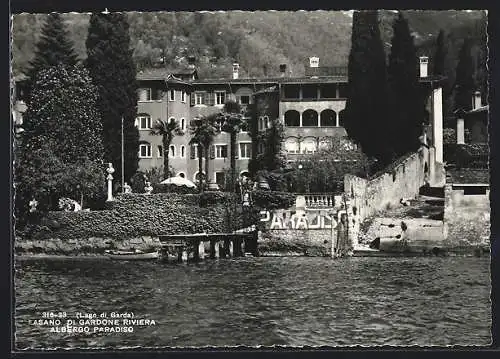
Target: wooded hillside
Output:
[(259, 41)]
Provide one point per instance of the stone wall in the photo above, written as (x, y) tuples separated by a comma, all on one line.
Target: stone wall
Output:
[(466, 217), (403, 180), (297, 242)]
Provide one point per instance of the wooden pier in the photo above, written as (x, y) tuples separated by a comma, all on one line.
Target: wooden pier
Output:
[(199, 246)]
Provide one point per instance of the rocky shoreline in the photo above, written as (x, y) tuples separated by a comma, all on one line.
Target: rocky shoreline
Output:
[(94, 248)]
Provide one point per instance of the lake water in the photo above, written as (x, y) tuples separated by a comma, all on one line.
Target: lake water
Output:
[(260, 301)]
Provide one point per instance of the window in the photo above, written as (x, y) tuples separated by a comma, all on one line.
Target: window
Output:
[(260, 148), (474, 190), (220, 151), (267, 124), (171, 95), (292, 145), (220, 179), (199, 98), (171, 153), (309, 145), (220, 97), (183, 151), (196, 151), (145, 151), (245, 150), (244, 126), (144, 122), (145, 94), (244, 100), (160, 151), (183, 96), (149, 94), (183, 124)]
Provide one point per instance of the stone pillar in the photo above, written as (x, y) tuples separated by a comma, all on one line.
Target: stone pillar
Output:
[(243, 247), (437, 123), (231, 248), (300, 93), (201, 250), (432, 165), (300, 119), (460, 131), (182, 254), (337, 119), (214, 249)]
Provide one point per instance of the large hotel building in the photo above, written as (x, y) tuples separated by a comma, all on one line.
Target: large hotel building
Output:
[(309, 107)]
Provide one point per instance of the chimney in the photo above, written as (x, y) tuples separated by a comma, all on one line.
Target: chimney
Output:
[(191, 61), (424, 62), (314, 61), (460, 130), (282, 70), (236, 69), (476, 101)]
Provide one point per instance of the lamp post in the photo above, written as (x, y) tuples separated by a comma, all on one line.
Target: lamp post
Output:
[(110, 171)]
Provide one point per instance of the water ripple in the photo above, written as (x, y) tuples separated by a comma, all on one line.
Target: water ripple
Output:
[(263, 301)]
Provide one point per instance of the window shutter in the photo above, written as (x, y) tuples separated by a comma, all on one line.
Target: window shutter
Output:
[(212, 152), (191, 150), (192, 98)]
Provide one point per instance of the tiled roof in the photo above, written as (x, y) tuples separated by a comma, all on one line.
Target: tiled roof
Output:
[(479, 109), (274, 80), (160, 74), (326, 71), (267, 90), (474, 149), (171, 79), (468, 176)]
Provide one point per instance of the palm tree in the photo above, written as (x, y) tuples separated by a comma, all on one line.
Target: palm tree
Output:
[(168, 130), (203, 132), (232, 119)]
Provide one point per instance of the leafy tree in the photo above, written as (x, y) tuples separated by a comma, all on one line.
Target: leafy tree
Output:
[(464, 83), (61, 150), (62, 107), (407, 106), (113, 71), (54, 46), (324, 170), (232, 119), (203, 131), (367, 104), (168, 130)]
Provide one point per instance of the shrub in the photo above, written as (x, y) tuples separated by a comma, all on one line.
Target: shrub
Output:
[(273, 200)]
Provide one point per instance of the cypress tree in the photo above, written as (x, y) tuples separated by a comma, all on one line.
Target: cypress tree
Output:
[(53, 47), (464, 82), (366, 108), (440, 56), (113, 71), (407, 107)]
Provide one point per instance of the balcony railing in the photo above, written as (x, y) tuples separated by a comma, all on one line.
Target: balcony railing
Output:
[(319, 200)]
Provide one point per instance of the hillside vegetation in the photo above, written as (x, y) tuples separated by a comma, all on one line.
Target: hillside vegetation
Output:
[(259, 41)]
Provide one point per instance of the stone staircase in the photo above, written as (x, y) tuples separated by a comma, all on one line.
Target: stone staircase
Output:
[(415, 222)]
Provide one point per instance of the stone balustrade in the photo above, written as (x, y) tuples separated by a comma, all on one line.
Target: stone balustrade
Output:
[(319, 200)]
